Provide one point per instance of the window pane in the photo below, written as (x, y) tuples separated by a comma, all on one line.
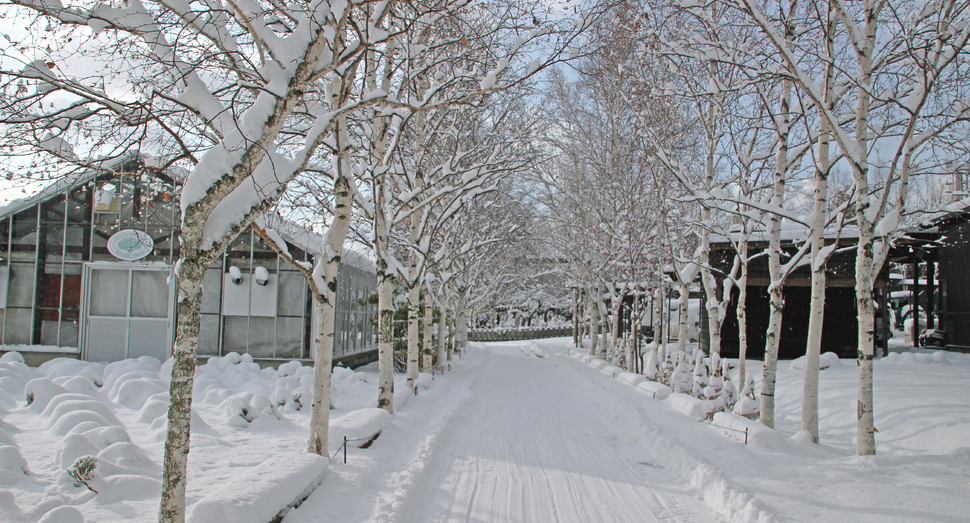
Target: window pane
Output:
[(238, 254), (209, 335), (291, 299), (69, 328), (109, 292), (17, 329), (262, 337), (48, 327), (235, 334), (72, 287), (212, 291), (20, 292), (149, 294), (78, 210), (24, 235), (106, 339), (289, 337), (4, 237)]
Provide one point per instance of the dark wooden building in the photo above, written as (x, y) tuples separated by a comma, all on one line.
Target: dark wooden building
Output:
[(840, 328), (951, 306)]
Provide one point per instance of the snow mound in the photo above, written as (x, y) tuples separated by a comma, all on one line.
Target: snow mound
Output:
[(39, 392), (10, 389), (129, 458), (63, 514), (245, 407), (12, 356), (260, 493), (632, 378), (67, 404), (424, 380), (8, 401), (70, 367), (154, 408), (73, 447), (533, 350), (359, 426), (913, 358), (5, 439), (124, 381), (825, 360), (129, 487), (596, 362), (16, 371), (145, 367), (657, 390), (72, 419), (690, 406), (134, 393), (79, 385), (612, 370), (13, 466)]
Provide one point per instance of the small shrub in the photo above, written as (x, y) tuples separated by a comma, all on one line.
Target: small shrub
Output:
[(82, 471)]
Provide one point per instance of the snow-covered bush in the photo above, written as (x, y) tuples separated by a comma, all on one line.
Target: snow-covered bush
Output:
[(681, 380), (699, 375), (651, 370), (728, 391), (667, 370), (83, 471), (748, 405)]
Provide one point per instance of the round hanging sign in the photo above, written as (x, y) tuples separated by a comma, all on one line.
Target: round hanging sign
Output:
[(130, 245)]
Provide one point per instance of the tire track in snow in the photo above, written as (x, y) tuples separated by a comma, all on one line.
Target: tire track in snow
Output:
[(398, 485), (725, 498), (530, 445)]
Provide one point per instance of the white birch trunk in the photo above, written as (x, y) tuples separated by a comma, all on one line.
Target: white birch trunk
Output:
[(385, 291), (865, 428), (682, 319), (600, 319), (594, 324), (576, 318), (428, 350), (816, 311), (414, 300), (616, 323), (462, 322), (742, 310), (664, 309), (326, 308), (385, 338), (172, 506), (442, 333), (776, 302)]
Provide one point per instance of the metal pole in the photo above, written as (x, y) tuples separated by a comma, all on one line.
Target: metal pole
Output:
[(345, 450)]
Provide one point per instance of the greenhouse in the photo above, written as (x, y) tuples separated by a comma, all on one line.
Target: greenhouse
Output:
[(86, 267)]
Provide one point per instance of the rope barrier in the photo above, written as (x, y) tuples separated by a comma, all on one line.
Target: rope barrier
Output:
[(344, 447), (413, 393), (745, 431)]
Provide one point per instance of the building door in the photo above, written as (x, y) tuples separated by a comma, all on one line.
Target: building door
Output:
[(128, 311)]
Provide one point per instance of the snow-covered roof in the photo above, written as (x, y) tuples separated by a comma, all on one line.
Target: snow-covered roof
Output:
[(75, 179), (353, 254), (797, 232), (952, 210), (312, 243)]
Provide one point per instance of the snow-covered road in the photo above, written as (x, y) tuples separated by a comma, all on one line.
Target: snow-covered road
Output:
[(537, 442), (513, 435)]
